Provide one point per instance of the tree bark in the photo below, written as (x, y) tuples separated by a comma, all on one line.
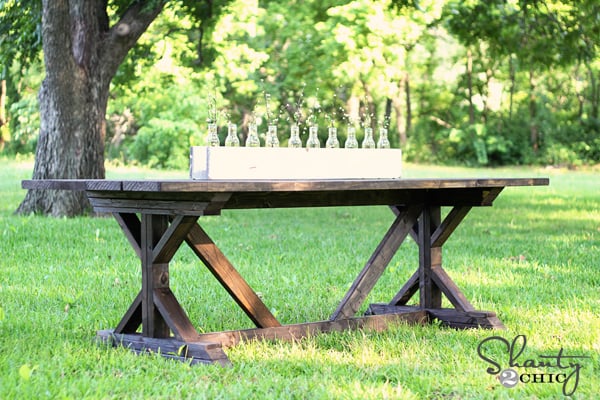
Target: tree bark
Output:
[(594, 92), (370, 108), (2, 110), (407, 97), (81, 56), (469, 69), (513, 86), (398, 106), (533, 124), (387, 115)]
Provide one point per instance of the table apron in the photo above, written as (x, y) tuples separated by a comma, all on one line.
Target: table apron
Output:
[(182, 203)]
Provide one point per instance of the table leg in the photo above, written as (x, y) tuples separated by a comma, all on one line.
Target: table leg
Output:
[(374, 268), (430, 294), (156, 308), (431, 280), (155, 276), (212, 257)]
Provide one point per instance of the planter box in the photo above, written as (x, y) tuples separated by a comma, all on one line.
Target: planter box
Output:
[(288, 163)]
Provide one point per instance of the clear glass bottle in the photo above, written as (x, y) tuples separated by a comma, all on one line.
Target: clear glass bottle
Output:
[(383, 142), (332, 140), (232, 139), (295, 140), (368, 141), (213, 138), (351, 142), (313, 138), (272, 140), (252, 140)]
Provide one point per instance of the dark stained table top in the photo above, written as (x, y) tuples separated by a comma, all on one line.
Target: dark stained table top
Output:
[(281, 185), (205, 197)]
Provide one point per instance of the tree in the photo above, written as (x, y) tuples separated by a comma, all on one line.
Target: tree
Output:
[(369, 46), (81, 55), (18, 28), (84, 42), (539, 34)]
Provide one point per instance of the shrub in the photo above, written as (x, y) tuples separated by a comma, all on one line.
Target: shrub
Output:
[(164, 143), (21, 136)]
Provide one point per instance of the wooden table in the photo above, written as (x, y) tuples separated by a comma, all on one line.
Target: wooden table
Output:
[(157, 216)]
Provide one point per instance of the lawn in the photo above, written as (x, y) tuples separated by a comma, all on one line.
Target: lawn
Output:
[(532, 258)]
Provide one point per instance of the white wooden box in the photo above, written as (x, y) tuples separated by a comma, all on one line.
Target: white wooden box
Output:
[(289, 163)]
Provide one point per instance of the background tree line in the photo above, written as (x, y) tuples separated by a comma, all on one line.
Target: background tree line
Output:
[(483, 83)]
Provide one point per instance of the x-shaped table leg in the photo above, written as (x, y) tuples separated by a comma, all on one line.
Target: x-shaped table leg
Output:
[(156, 308), (430, 278), (424, 224), (380, 259), (155, 239), (432, 281)]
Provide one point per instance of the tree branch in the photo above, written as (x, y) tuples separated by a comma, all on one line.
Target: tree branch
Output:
[(124, 34)]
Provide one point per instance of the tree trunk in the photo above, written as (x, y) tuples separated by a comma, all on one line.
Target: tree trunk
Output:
[(387, 115), (369, 108), (594, 92), (399, 112), (470, 86), (489, 74), (578, 93), (513, 85), (81, 56), (407, 93), (533, 125), (2, 110), (405, 82)]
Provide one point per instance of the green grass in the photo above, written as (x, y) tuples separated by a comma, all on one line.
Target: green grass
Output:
[(532, 258)]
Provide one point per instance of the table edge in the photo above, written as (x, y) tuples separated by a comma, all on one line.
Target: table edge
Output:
[(279, 185)]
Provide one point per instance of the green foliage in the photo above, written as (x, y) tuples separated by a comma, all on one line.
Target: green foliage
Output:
[(574, 144), (152, 130), (157, 116), (24, 126), (21, 132), (534, 68), (20, 33), (541, 34), (540, 41), (163, 143)]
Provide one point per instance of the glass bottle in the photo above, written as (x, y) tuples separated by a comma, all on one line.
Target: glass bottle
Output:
[(213, 138), (351, 142), (368, 142), (383, 142), (232, 139), (272, 140), (313, 138), (295, 140), (332, 140), (252, 140)]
